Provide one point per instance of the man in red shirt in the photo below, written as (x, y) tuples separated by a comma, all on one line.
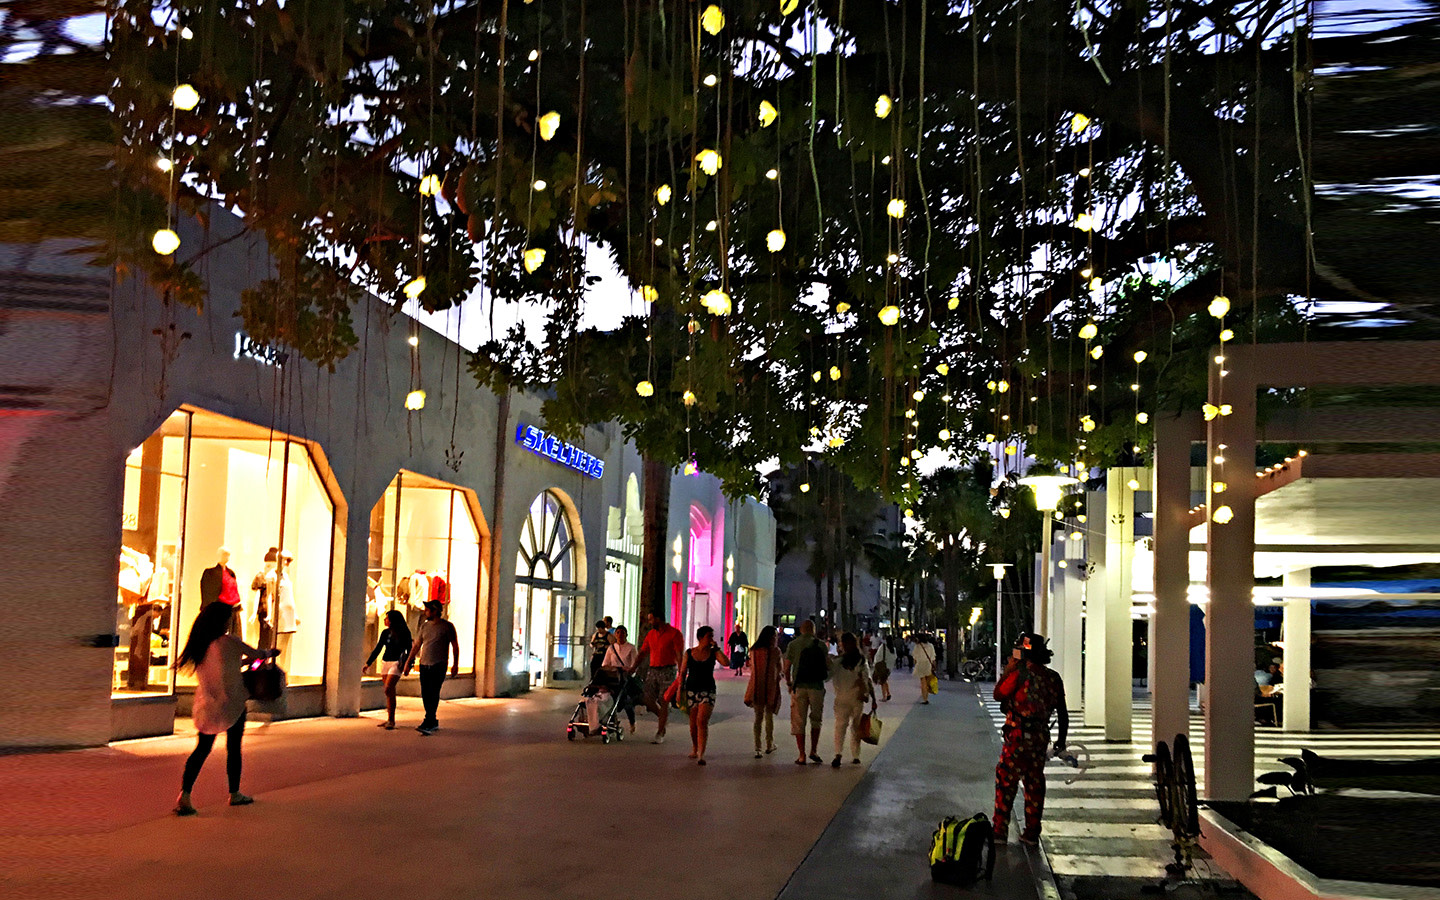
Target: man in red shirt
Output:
[(1029, 693), (663, 644)]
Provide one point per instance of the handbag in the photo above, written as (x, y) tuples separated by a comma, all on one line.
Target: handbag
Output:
[(264, 681), (932, 684), (870, 728)]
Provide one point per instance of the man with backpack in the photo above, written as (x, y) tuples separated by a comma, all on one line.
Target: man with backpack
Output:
[(807, 668), (1029, 692)]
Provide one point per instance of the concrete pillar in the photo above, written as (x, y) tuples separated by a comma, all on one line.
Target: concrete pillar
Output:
[(1170, 623), (1095, 611), (346, 650), (1297, 654), (1119, 632), (1067, 641), (1230, 616), (1037, 623)]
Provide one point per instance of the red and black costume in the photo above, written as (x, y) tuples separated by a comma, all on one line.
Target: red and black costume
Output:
[(1029, 693)]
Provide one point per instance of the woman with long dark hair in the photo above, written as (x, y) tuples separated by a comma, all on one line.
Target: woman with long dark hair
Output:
[(851, 677), (394, 642), (762, 694), (217, 659), (697, 680)]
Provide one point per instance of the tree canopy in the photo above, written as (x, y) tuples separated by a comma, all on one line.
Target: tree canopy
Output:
[(852, 229)]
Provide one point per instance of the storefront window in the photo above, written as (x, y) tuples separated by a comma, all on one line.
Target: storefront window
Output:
[(546, 628), (425, 544), (226, 499), (150, 552)]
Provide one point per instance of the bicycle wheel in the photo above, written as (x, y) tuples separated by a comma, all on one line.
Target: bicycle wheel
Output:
[(1164, 781), (1187, 814)]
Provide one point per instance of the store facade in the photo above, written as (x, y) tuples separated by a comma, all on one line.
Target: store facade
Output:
[(159, 459)]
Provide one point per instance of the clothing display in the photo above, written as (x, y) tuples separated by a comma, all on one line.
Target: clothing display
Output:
[(262, 615)]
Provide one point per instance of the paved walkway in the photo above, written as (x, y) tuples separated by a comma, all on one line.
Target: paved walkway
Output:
[(497, 804), (940, 762)]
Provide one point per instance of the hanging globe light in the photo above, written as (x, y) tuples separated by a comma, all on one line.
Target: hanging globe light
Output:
[(710, 161), (430, 185), (662, 194), (889, 315), (1218, 308), (415, 400), (645, 389), (549, 125), (712, 19), (775, 240), (415, 287), (768, 113), (1089, 330), (883, 105), (895, 209), (534, 258), (185, 97), (165, 241)]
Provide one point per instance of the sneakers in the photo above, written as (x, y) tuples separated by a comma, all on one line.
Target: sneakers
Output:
[(835, 763), (815, 758), (659, 738), (427, 729), (239, 799), (183, 808), (758, 754)]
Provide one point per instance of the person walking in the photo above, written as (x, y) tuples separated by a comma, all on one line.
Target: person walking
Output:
[(697, 680), (620, 661), (884, 659), (851, 677), (924, 665), (806, 670), (599, 643), (762, 694), (1029, 693), (432, 650), (663, 645), (217, 659), (395, 642)]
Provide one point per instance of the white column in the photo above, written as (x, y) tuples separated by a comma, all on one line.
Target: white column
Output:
[(1119, 632), (1297, 654), (1041, 585), (1095, 612), (1068, 642), (1170, 623)]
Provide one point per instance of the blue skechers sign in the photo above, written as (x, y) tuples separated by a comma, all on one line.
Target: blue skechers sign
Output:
[(552, 448)]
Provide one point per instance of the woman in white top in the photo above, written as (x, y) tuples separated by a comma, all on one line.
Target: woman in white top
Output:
[(850, 676), (220, 696), (924, 665), (619, 661)]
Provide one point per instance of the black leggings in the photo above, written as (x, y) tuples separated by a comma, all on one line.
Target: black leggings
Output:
[(203, 745)]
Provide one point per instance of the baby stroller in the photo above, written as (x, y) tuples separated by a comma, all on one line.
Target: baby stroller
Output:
[(601, 707)]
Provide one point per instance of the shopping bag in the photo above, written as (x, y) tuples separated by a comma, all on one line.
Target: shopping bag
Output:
[(932, 684), (870, 727)]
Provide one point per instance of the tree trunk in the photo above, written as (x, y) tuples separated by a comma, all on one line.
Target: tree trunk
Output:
[(819, 601), (653, 592), (950, 585), (497, 523)]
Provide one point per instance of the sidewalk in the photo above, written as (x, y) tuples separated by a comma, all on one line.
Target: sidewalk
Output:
[(941, 761), (496, 804)]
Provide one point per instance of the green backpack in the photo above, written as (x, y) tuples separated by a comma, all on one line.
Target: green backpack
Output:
[(962, 851)]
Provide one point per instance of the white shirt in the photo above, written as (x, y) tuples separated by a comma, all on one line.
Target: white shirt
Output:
[(285, 620), (924, 660), (621, 656)]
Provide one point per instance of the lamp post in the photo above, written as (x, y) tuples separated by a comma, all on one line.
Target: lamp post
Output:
[(998, 570), (1048, 491)]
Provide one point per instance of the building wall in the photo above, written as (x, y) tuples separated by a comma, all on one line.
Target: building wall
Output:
[(89, 370)]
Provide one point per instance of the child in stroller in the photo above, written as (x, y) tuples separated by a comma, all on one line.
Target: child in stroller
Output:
[(608, 694)]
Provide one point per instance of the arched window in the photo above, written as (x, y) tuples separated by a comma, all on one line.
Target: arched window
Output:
[(545, 592)]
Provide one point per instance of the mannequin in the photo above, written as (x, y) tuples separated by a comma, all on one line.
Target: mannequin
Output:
[(218, 585), (263, 584), (285, 621)]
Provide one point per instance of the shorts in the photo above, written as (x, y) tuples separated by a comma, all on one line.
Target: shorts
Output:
[(390, 667), (657, 679), (695, 698), (806, 703)]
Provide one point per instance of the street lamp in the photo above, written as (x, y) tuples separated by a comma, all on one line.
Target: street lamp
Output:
[(1048, 491), (998, 570)]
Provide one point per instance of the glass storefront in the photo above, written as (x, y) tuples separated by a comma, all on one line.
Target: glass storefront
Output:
[(623, 549), (219, 510), (548, 638), (425, 544)]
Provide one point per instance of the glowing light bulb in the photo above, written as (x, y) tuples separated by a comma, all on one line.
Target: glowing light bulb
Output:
[(883, 105), (1219, 307), (1089, 330), (415, 400), (1002, 386), (1086, 272), (415, 287), (540, 184), (788, 6), (836, 441), (953, 304), (717, 301), (835, 373), (688, 398), (989, 438), (805, 488), (944, 434), (889, 315), (534, 258), (842, 307), (186, 33), (165, 241), (710, 80), (413, 340), (772, 174), (1227, 335), (534, 55), (1223, 515), (1097, 352), (1211, 410), (895, 209), (943, 368), (918, 395), (711, 225), (1143, 418), (815, 376), (1219, 487), (768, 113), (1004, 512), (164, 164), (185, 97), (662, 194), (648, 293), (1087, 424), (430, 185), (1085, 222), (712, 19), (1085, 172), (1079, 122), (549, 125), (775, 240), (645, 389), (893, 258), (710, 161), (1140, 356)]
